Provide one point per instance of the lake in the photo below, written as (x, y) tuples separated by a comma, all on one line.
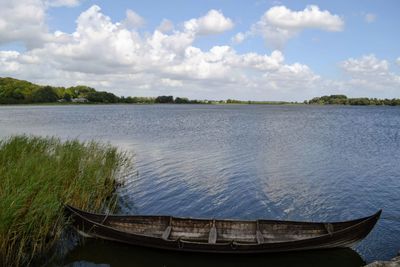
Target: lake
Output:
[(311, 163)]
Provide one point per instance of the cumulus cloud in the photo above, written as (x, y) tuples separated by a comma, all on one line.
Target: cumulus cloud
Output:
[(115, 56), (110, 55), (367, 65), (8, 61), (398, 61), (279, 24), (133, 20), (58, 3), (370, 73), (310, 17), (212, 23), (25, 20), (171, 82), (165, 26), (238, 38), (369, 17)]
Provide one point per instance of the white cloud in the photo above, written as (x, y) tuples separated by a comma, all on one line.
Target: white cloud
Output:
[(58, 3), (263, 62), (370, 74), (171, 83), (369, 17), (238, 38), (279, 24), (133, 20), (367, 65), (23, 21), (165, 26), (310, 17), (212, 23), (4, 55), (109, 55), (116, 57), (398, 61), (8, 61)]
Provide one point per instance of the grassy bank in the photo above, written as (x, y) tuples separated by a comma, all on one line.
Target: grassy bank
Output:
[(38, 175)]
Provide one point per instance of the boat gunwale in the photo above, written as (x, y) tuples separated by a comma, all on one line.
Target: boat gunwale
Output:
[(118, 216), (363, 220)]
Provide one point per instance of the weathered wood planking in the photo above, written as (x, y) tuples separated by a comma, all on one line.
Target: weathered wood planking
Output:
[(222, 236)]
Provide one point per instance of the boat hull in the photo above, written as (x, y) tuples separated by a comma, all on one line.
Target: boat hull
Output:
[(347, 233)]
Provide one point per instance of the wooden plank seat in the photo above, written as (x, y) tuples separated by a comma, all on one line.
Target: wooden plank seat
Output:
[(166, 233), (329, 228), (259, 237), (212, 237)]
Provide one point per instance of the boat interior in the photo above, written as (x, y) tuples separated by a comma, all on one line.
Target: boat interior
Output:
[(222, 231)]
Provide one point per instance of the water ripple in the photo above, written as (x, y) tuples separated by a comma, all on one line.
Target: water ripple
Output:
[(278, 162)]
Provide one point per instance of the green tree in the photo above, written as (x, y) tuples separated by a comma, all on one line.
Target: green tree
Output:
[(67, 97), (164, 99), (182, 100), (102, 97), (45, 94)]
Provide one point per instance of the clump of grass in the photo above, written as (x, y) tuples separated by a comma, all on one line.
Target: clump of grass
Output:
[(37, 176)]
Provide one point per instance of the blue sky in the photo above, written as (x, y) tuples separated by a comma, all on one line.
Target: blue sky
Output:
[(287, 50)]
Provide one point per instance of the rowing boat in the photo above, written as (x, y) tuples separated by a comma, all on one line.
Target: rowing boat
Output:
[(221, 236)]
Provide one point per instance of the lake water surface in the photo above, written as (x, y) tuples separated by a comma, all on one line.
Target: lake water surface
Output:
[(307, 163)]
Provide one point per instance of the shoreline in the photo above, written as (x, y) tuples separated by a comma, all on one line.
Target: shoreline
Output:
[(15, 91), (190, 104)]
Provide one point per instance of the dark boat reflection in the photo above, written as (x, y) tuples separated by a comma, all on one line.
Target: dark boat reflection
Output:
[(104, 253)]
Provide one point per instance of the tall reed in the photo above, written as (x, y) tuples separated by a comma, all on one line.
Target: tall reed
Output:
[(37, 176)]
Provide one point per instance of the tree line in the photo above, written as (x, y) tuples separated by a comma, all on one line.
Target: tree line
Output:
[(344, 100), (14, 91)]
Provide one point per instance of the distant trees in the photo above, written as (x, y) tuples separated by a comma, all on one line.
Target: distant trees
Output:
[(164, 99), (233, 101), (179, 100), (13, 91), (344, 100), (331, 100), (102, 97), (80, 91), (67, 97), (182, 100), (137, 100), (250, 102), (44, 94)]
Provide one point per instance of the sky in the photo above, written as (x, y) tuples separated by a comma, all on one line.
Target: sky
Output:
[(209, 49)]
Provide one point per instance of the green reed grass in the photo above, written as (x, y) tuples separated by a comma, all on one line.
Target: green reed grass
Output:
[(37, 176)]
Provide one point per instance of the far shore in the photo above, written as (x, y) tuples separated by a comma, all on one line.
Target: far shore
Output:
[(20, 92), (188, 104)]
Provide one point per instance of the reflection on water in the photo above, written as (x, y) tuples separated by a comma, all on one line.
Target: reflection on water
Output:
[(104, 253), (307, 163)]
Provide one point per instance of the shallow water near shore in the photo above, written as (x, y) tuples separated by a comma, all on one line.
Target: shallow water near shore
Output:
[(311, 163)]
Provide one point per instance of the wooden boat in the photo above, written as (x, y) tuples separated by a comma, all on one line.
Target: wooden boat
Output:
[(221, 236)]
